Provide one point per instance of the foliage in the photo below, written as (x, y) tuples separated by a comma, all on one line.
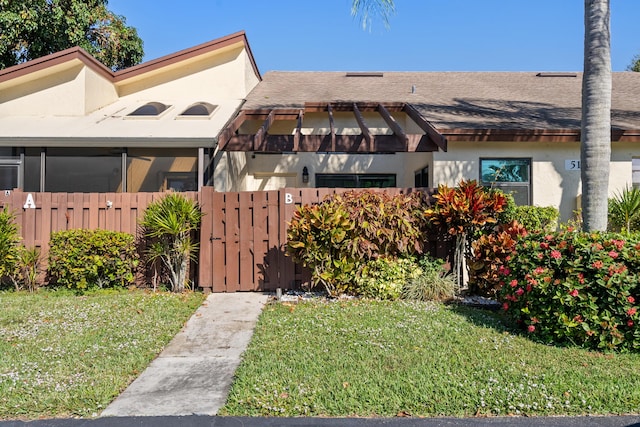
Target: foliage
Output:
[(384, 278), (369, 9), (340, 235), (466, 212), (9, 243), (69, 356), (35, 28), (538, 218), (169, 224), (467, 208), (509, 209), (490, 254), (83, 259), (434, 283), (624, 210), (635, 64), (26, 269), (575, 288)]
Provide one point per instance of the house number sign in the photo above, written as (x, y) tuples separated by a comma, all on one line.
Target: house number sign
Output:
[(288, 198), (572, 165)]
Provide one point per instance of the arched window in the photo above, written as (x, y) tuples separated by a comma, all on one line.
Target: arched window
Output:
[(149, 109)]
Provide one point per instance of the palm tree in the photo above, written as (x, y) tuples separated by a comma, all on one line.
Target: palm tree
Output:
[(595, 146), (595, 140)]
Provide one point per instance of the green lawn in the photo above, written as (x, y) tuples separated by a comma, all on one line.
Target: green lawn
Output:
[(67, 355), (384, 358)]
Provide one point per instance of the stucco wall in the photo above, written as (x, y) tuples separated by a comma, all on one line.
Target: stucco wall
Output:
[(219, 74), (552, 184), (252, 172)]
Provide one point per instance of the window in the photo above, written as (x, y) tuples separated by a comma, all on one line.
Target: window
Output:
[(198, 110), (161, 169), (150, 109), (355, 180), (422, 177), (635, 172), (9, 173), (510, 175), (83, 170)]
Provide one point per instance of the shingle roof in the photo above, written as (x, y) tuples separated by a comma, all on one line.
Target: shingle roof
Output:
[(457, 100)]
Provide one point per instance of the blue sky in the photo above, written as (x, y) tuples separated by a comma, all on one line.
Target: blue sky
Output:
[(424, 35)]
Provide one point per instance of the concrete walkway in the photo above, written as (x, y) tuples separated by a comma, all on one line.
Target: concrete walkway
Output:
[(193, 374)]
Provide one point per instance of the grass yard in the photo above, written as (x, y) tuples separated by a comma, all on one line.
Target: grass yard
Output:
[(66, 355), (367, 358)]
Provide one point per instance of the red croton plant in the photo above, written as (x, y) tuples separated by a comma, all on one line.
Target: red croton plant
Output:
[(464, 211)]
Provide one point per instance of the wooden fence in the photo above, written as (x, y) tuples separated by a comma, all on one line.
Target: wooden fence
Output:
[(242, 237)]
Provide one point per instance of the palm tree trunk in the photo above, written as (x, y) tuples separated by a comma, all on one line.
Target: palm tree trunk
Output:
[(595, 151)]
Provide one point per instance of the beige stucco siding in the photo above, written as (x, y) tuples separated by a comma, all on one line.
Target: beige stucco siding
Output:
[(551, 183), (199, 77), (98, 91), (249, 172)]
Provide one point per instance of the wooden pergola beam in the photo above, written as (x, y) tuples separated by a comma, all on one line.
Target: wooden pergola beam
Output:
[(332, 127), (363, 127), (431, 131), (298, 131), (393, 124), (231, 129), (261, 135)]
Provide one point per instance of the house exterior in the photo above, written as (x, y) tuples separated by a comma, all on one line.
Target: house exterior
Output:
[(206, 116), (69, 124), (519, 131)]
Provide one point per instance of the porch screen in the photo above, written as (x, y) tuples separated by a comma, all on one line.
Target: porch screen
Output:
[(509, 175)]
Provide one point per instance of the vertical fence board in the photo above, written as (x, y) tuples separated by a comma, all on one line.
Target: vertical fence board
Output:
[(205, 200), (218, 244), (245, 228), (260, 241), (232, 246)]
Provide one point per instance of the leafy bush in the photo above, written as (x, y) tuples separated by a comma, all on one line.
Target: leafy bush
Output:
[(466, 212), (337, 237), (81, 259), (490, 253), (384, 278), (624, 210), (433, 283), (9, 243), (575, 288), (466, 209), (169, 224), (26, 269), (538, 218)]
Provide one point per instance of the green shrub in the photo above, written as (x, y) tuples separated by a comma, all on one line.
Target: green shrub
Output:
[(26, 269), (169, 224), (81, 259), (624, 210), (384, 278), (538, 218), (337, 237), (575, 288), (432, 283), (9, 243)]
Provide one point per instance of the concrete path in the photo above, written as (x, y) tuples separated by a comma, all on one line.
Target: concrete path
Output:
[(193, 374)]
